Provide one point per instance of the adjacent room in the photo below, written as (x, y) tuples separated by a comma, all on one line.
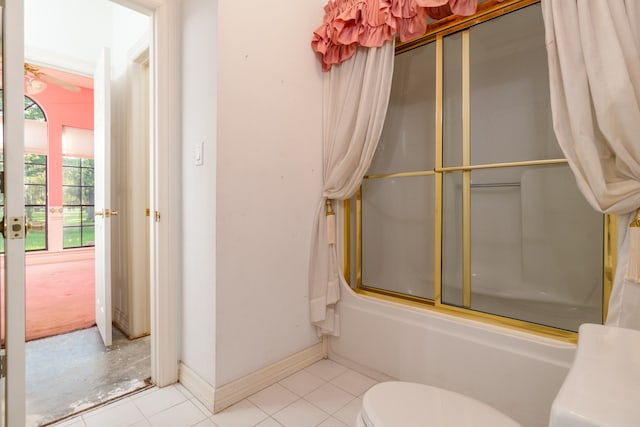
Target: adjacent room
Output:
[(72, 363)]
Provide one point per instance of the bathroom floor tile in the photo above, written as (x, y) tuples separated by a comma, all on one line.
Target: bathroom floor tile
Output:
[(184, 414), (182, 389), (273, 398), (326, 369), (332, 422), (269, 422), (348, 413), (125, 414), (329, 398), (353, 382), (201, 406), (142, 423), (300, 414), (243, 413), (159, 400), (302, 383), (325, 394)]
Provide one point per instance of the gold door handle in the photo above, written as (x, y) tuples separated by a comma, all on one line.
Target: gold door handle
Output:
[(107, 213), (36, 226), (41, 226)]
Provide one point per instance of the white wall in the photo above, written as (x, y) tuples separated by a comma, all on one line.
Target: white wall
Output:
[(268, 180), (199, 118)]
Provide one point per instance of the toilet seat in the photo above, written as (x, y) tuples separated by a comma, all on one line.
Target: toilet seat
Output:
[(395, 403)]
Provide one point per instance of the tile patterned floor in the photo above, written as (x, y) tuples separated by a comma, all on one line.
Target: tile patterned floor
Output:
[(325, 394)]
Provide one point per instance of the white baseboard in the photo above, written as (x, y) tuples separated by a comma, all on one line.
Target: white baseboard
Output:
[(121, 319), (201, 389), (233, 392), (354, 366)]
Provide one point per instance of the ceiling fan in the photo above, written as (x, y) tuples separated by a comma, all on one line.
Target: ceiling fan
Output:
[(35, 80)]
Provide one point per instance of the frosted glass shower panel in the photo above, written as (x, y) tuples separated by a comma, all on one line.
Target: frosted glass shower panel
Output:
[(452, 100), (398, 235), (407, 143), (536, 247), (509, 90), (452, 242)]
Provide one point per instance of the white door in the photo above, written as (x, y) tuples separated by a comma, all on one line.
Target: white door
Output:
[(102, 202), (13, 408)]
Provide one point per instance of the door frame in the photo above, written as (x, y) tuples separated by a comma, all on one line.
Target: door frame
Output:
[(164, 183), (164, 175), (138, 316), (14, 261)]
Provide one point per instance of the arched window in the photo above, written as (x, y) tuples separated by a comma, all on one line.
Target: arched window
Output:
[(32, 110), (35, 175)]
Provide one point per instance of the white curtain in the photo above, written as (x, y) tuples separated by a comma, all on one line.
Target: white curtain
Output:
[(355, 100), (593, 52)]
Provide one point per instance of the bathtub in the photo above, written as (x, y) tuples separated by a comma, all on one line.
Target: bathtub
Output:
[(515, 372)]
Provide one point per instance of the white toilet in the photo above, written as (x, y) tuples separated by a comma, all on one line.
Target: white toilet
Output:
[(602, 389), (402, 404)]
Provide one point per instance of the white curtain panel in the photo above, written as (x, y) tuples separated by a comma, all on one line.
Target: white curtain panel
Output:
[(593, 50), (355, 100)]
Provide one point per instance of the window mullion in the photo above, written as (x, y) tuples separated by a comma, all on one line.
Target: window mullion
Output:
[(438, 176), (466, 175)]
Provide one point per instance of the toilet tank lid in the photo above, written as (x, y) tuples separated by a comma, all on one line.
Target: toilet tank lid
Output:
[(603, 383)]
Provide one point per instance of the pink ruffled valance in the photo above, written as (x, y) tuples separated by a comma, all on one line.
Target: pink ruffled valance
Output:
[(371, 23)]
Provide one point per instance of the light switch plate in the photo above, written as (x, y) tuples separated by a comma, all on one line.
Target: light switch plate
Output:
[(198, 154)]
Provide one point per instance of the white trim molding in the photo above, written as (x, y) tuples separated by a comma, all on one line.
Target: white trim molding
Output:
[(202, 390), (165, 195), (233, 392), (14, 387), (164, 185), (142, 6)]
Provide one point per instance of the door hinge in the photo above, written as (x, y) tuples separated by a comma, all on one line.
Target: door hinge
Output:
[(157, 216)]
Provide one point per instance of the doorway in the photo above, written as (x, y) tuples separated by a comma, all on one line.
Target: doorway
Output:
[(164, 196), (63, 271), (70, 210)]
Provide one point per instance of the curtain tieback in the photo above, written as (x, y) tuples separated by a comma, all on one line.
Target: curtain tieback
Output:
[(331, 223), (633, 264)]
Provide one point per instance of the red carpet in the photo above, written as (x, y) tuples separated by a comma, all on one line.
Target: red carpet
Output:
[(60, 298)]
